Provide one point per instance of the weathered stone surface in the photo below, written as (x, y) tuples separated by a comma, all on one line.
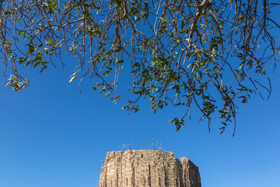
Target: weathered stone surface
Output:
[(148, 168)]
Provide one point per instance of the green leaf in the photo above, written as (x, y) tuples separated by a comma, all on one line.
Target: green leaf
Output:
[(120, 61), (108, 67), (74, 76), (21, 32), (106, 73)]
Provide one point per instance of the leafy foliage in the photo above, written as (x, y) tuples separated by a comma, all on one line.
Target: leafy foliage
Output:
[(205, 54)]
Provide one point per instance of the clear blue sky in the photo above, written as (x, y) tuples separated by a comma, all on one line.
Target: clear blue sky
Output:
[(53, 135)]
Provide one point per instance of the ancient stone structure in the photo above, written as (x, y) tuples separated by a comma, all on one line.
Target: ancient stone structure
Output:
[(148, 168)]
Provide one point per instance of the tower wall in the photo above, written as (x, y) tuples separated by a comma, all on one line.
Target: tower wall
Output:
[(148, 168)]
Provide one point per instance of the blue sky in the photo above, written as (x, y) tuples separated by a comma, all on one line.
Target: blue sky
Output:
[(51, 134)]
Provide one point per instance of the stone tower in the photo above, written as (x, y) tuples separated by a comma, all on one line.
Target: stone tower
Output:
[(148, 168)]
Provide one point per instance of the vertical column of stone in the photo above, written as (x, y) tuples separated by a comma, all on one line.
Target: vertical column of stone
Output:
[(190, 173), (142, 170), (127, 169), (160, 171), (165, 176), (178, 173), (119, 165), (172, 175), (139, 171), (152, 169), (111, 170), (163, 170)]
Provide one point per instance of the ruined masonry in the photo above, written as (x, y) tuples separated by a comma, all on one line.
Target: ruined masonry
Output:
[(148, 168)]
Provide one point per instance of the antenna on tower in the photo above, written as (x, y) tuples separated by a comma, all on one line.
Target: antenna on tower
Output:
[(123, 147), (153, 147), (130, 145)]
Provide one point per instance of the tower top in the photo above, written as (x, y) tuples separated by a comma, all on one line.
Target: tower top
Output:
[(148, 168)]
